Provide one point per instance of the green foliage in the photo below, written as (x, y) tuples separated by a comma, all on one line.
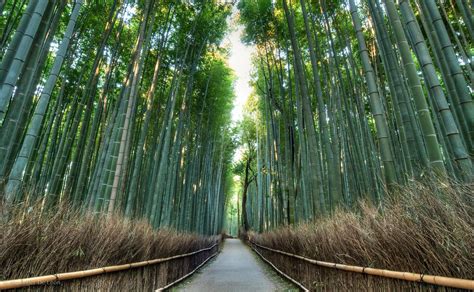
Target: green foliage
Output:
[(258, 18), (343, 111), (137, 119)]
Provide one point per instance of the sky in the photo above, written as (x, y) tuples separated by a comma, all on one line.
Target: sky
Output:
[(240, 61)]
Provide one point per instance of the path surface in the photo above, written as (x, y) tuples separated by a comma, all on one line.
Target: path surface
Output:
[(235, 269)]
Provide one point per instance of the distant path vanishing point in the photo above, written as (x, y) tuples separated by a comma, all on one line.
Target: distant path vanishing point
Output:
[(235, 269)]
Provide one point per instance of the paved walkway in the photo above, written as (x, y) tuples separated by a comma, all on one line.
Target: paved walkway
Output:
[(235, 269)]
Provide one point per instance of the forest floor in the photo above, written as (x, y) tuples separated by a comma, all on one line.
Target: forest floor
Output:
[(236, 268)]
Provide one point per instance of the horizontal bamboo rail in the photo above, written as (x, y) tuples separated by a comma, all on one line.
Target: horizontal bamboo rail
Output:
[(406, 276), (187, 275), (20, 283), (303, 288)]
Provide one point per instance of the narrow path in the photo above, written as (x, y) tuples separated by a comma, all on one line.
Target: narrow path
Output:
[(235, 269)]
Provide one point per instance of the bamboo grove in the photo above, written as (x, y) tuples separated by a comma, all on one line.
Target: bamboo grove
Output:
[(117, 106), (353, 99)]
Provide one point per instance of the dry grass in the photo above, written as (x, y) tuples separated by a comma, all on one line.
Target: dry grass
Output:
[(65, 241), (417, 232)]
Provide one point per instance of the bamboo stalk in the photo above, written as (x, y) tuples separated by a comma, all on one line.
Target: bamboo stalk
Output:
[(406, 276), (19, 283)]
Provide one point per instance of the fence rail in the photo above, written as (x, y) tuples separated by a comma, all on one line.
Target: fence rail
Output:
[(20, 283), (187, 275), (303, 288), (406, 276)]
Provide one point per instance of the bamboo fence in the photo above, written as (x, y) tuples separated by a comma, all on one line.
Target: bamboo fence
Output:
[(20, 283), (405, 276)]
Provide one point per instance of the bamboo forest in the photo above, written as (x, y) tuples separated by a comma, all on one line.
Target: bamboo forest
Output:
[(275, 145)]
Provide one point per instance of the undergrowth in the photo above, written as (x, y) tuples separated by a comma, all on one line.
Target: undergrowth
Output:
[(34, 243), (422, 229)]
